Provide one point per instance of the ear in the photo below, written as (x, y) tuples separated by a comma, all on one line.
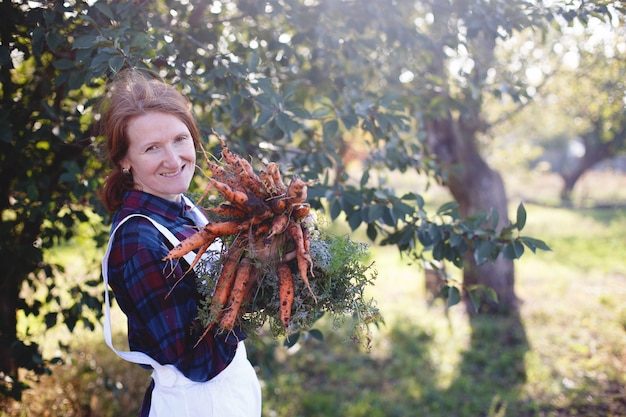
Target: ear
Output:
[(124, 165)]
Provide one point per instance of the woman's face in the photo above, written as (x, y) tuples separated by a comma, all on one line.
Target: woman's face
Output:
[(161, 154)]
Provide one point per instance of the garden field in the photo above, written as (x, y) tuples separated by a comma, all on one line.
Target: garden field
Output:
[(564, 354)]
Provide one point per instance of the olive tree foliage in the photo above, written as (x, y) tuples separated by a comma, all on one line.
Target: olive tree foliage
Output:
[(304, 83), (577, 74), (595, 100), (46, 177)]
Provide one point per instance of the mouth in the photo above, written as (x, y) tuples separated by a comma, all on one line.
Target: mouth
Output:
[(174, 173)]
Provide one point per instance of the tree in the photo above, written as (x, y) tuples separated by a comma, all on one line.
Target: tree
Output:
[(574, 72), (46, 174), (303, 83), (597, 100)]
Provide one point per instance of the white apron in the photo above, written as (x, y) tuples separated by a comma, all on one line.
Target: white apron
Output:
[(234, 392)]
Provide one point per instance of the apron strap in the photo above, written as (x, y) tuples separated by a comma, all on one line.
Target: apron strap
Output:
[(135, 356)]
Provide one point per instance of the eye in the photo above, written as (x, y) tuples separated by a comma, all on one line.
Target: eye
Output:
[(182, 138), (150, 148)]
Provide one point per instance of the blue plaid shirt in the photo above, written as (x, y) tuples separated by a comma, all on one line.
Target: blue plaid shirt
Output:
[(159, 325)]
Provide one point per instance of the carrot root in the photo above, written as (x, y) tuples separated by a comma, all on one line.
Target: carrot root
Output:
[(244, 278), (286, 295)]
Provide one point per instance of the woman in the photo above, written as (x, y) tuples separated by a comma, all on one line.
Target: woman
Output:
[(151, 142)]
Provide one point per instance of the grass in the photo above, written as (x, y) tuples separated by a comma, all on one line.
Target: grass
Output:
[(564, 354)]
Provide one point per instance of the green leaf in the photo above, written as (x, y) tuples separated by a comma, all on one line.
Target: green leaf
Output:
[(316, 334), (320, 112), (495, 218), (64, 64), (253, 62), (455, 240), (490, 293), (330, 129), (534, 244), (291, 340), (375, 212), (521, 216), (474, 296), (335, 209), (286, 124), (454, 296), (448, 208), (85, 42), (104, 9), (482, 251), (435, 232), (389, 217), (116, 63), (513, 250), (263, 118), (352, 199), (54, 39), (355, 219), (371, 232), (365, 178), (300, 113), (350, 121), (424, 237)]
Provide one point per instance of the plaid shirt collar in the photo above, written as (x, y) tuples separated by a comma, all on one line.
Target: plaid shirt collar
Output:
[(144, 203)]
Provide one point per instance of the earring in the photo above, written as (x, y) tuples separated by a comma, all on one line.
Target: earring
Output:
[(126, 171)]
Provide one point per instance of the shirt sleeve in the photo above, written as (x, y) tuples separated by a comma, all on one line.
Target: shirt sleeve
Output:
[(161, 307)]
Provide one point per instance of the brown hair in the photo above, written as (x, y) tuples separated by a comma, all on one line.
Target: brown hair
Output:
[(129, 95)]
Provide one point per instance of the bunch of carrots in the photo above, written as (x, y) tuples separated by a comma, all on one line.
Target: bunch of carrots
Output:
[(264, 222)]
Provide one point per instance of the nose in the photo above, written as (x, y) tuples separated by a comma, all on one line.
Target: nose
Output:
[(171, 157)]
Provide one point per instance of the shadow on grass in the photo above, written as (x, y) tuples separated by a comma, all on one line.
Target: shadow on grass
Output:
[(492, 370), (406, 376), (335, 378), (402, 378)]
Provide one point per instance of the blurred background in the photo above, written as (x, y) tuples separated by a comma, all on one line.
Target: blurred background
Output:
[(483, 137)]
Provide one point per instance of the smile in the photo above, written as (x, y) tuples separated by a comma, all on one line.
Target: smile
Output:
[(172, 174)]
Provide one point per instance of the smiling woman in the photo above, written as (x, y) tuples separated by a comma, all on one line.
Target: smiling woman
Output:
[(151, 140), (161, 155)]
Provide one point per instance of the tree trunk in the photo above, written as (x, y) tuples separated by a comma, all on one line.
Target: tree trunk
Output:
[(8, 325), (475, 187), (9, 297), (572, 174)]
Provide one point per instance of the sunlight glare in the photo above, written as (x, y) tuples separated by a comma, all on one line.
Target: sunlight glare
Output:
[(571, 59), (406, 76), (534, 75), (216, 7)]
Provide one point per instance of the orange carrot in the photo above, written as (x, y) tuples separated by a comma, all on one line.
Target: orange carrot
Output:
[(234, 196), (244, 278), (297, 191), (278, 204), (268, 182), (226, 280), (223, 288), (257, 208), (285, 292), (263, 228), (302, 257), (300, 211), (279, 225), (201, 238), (227, 228), (242, 167), (227, 209), (274, 171), (250, 180), (307, 241)]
